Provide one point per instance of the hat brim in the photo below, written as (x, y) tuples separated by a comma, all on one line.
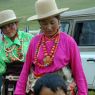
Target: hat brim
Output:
[(53, 13), (10, 21)]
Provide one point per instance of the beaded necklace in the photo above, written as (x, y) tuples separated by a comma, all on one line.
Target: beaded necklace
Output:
[(48, 57), (10, 54)]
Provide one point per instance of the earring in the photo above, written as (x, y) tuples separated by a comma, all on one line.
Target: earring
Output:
[(2, 36)]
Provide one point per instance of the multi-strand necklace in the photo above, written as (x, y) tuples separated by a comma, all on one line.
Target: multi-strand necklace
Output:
[(48, 57), (10, 52)]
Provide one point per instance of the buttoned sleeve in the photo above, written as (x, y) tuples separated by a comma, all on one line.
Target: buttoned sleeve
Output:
[(76, 66), (21, 83), (2, 58), (2, 67)]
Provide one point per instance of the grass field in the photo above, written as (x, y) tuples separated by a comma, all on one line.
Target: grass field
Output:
[(25, 8), (91, 93)]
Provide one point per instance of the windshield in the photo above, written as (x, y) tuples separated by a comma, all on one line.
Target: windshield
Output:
[(85, 33), (65, 27)]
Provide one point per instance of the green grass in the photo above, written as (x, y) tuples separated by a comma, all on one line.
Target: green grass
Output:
[(91, 93), (25, 8)]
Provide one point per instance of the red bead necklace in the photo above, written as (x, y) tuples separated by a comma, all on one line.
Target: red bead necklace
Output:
[(10, 54), (48, 57)]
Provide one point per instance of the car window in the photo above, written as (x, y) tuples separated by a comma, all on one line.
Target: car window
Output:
[(65, 27), (84, 33)]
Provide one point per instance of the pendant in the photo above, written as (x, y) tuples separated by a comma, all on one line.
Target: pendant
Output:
[(47, 60)]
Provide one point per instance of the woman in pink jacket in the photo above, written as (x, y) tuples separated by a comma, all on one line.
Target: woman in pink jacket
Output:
[(52, 51)]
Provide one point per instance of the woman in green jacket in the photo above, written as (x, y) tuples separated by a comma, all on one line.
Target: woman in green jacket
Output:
[(14, 43)]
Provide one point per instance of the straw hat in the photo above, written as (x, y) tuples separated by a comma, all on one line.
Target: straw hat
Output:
[(7, 16), (46, 8)]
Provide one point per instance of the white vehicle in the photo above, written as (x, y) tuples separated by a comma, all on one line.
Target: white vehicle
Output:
[(81, 25)]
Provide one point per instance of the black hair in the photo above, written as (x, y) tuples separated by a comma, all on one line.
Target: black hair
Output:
[(58, 17), (52, 81)]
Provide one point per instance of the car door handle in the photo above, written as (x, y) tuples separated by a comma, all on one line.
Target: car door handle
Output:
[(91, 59)]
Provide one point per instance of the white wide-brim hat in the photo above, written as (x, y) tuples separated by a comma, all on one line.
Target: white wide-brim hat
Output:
[(46, 8), (7, 16)]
